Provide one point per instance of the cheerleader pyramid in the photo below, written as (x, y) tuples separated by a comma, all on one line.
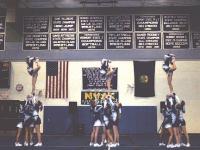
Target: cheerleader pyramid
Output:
[(29, 109), (173, 111), (105, 116)]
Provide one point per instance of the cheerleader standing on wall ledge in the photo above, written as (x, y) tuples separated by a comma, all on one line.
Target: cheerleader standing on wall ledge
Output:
[(169, 67)]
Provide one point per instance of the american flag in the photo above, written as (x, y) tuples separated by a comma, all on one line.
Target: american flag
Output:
[(56, 79)]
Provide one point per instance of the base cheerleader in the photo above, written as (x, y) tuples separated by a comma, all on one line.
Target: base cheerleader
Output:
[(96, 111)]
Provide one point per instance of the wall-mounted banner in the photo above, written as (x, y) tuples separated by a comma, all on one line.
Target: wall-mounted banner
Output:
[(2, 41), (119, 40), (36, 24), (92, 79), (176, 22), (2, 23), (196, 40), (36, 42), (63, 41), (91, 41), (119, 23), (5, 68), (145, 40), (56, 79), (91, 23), (147, 22), (88, 96), (144, 78), (63, 23), (176, 40)]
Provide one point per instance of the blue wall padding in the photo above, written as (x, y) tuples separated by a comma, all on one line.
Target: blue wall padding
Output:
[(134, 119)]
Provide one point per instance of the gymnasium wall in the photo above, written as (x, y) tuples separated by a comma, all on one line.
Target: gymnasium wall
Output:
[(186, 83), (14, 35), (186, 79)]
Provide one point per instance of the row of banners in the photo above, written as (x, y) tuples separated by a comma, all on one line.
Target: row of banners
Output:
[(94, 85)]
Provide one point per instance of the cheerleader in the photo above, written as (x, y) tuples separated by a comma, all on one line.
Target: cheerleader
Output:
[(167, 123), (116, 113), (169, 67), (107, 72), (32, 120), (33, 67), (109, 77), (162, 130), (103, 137), (37, 121), (104, 66), (19, 125), (96, 111), (175, 121), (181, 108), (107, 118), (28, 120)]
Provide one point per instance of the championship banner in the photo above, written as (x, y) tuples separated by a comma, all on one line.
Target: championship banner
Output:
[(93, 79), (144, 78), (88, 96)]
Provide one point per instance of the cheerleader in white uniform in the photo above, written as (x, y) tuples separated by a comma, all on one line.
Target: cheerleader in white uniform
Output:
[(175, 119), (116, 114), (182, 124), (169, 67), (108, 120), (96, 111), (32, 120), (107, 72), (167, 123), (33, 67), (37, 121), (19, 125), (28, 120)]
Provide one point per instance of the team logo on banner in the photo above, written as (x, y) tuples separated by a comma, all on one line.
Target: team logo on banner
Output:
[(88, 96), (144, 78)]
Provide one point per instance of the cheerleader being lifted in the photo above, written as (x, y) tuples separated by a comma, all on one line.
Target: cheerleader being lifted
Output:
[(33, 67), (169, 67), (107, 72)]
